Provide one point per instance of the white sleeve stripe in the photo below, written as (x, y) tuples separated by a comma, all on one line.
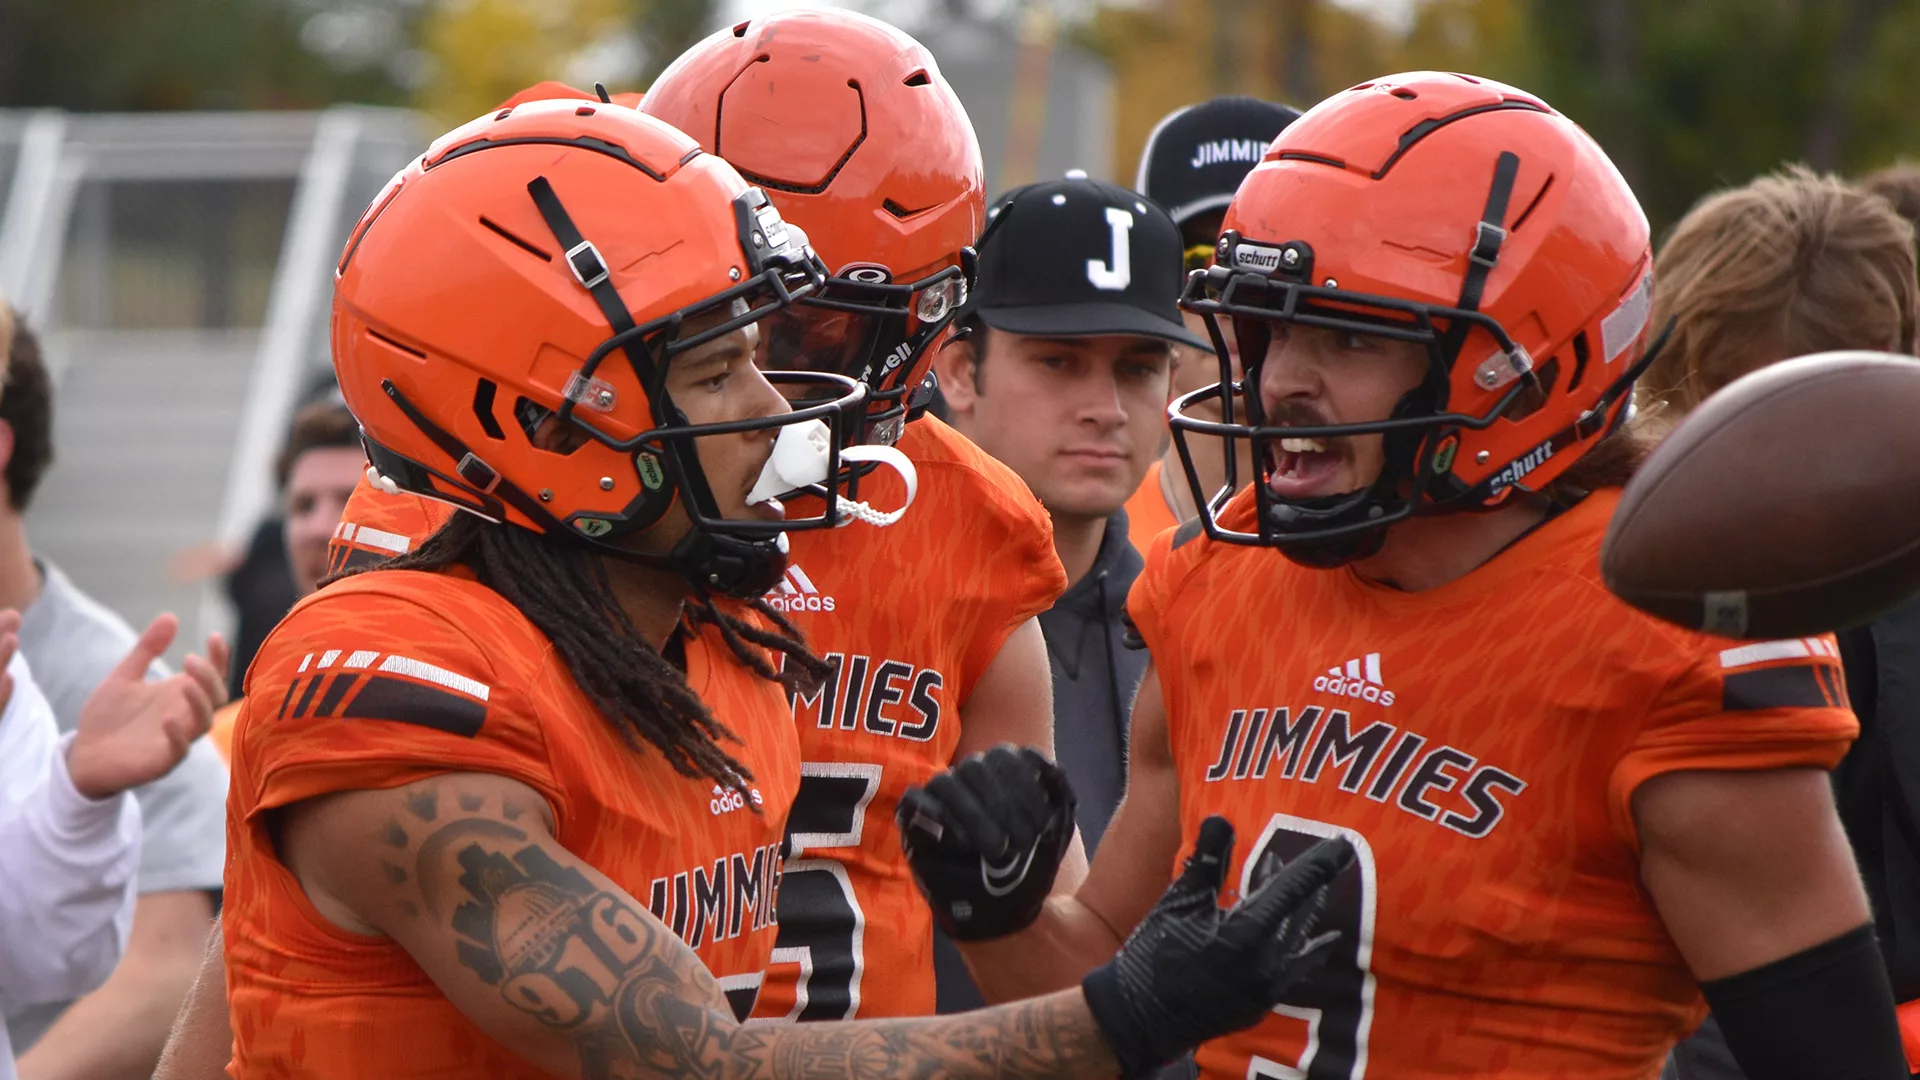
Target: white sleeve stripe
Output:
[(379, 538), (361, 658), (439, 676), (326, 660), (1762, 651)]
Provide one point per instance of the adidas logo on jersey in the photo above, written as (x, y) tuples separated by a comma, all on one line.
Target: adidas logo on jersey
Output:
[(727, 800), (796, 592), (1360, 679)]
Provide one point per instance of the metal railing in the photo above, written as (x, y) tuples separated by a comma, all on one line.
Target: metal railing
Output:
[(178, 268)]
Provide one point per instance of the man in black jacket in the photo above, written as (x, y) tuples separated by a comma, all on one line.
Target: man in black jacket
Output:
[(1062, 374)]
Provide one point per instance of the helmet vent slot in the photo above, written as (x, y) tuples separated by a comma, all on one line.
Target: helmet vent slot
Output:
[(918, 78), (483, 395), (516, 241), (740, 29), (391, 343), (1531, 205), (897, 210), (1581, 350)]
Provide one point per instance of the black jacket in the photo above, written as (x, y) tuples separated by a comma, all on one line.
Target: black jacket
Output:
[(1094, 680), (1877, 785)]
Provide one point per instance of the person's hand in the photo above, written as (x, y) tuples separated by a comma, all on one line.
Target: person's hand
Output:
[(985, 839), (1193, 972), (132, 731)]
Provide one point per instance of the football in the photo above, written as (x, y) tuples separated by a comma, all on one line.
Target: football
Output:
[(1787, 504)]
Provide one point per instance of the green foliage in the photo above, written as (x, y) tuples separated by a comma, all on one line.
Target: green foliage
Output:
[(180, 54), (1689, 96)]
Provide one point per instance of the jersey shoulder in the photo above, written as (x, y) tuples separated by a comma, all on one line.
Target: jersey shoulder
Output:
[(1179, 562), (388, 676), (959, 474)]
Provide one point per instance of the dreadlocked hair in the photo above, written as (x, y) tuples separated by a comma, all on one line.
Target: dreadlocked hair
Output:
[(562, 589)]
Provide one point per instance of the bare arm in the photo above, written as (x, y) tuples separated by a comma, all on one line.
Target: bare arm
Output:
[(117, 1031), (447, 867), (1079, 932), (1012, 702), (1746, 867), (201, 1043)]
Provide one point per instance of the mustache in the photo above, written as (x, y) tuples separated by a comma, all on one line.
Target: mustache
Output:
[(1296, 414)]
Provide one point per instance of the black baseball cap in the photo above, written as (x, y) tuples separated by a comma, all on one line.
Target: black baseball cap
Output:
[(1080, 258), (1196, 157)]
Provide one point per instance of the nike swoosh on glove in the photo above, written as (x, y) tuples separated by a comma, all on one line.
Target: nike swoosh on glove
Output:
[(1193, 972), (985, 840)]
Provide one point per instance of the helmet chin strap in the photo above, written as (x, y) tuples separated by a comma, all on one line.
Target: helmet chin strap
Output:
[(802, 459)]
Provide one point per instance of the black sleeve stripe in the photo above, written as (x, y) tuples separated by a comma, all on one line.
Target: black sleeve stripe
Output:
[(336, 690), (306, 699), (288, 700), (357, 557), (1795, 687), (1836, 684), (407, 702)]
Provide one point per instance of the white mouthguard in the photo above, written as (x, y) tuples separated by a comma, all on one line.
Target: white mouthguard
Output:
[(799, 460)]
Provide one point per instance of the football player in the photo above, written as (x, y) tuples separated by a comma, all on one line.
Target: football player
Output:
[(459, 774), (1570, 820), (930, 624)]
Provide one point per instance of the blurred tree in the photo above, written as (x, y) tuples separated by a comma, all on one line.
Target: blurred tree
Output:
[(1169, 53), (482, 51), (183, 54), (1689, 96)]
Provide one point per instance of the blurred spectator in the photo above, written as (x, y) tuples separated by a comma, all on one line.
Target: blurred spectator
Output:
[(316, 472), (72, 644), (1792, 264), (1788, 265), (1062, 375), (1192, 164), (262, 582), (66, 861)]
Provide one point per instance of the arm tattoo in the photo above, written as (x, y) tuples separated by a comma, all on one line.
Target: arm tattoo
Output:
[(637, 1003)]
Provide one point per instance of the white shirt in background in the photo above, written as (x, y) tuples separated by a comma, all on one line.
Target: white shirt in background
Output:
[(67, 864)]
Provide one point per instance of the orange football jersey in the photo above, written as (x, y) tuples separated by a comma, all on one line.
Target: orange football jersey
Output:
[(910, 615), (1480, 744), (393, 676), (1148, 514), (376, 526)]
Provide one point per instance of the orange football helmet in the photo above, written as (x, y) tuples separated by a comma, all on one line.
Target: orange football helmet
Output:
[(485, 292), (1458, 213), (850, 128)]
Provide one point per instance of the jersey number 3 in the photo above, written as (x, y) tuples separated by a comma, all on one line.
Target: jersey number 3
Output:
[(1337, 1002), (821, 924)]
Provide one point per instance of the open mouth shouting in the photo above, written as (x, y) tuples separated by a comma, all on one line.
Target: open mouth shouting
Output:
[(1299, 469)]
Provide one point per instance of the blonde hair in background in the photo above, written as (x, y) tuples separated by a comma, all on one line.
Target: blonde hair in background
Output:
[(1791, 264)]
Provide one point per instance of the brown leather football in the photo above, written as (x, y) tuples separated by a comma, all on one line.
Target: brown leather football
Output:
[(1787, 504)]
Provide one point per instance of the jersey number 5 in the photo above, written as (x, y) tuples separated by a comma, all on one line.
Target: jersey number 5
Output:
[(821, 924), (1337, 1002)]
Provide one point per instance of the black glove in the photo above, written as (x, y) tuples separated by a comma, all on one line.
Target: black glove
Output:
[(1192, 972), (985, 839)]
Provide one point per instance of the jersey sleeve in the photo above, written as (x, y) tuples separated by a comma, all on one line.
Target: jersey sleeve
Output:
[(1762, 705), (1028, 577), (363, 690)]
